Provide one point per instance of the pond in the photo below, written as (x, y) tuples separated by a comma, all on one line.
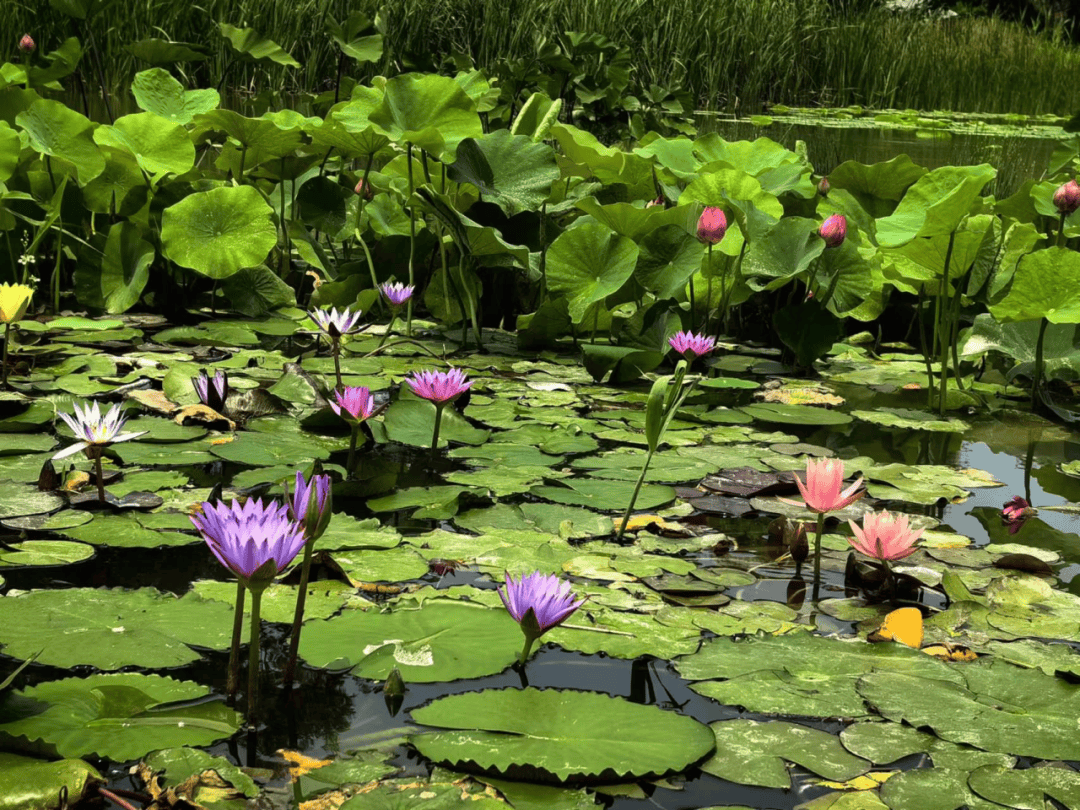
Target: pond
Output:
[(693, 615)]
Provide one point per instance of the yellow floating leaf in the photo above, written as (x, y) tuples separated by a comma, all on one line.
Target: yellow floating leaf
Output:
[(904, 625), (950, 652), (651, 521), (222, 440), (76, 480), (299, 764), (868, 781)]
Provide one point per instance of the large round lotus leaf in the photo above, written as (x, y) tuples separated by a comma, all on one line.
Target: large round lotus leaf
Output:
[(932, 789), (160, 147), (21, 499), (1000, 708), (794, 414), (33, 784), (587, 264), (1026, 789), (110, 629), (56, 130), (44, 552), (156, 91), (437, 503), (123, 716), (256, 449), (752, 753), (393, 565), (801, 674), (1043, 288), (713, 187), (251, 43), (605, 495), (9, 151), (116, 285), (67, 519), (220, 231), (573, 736), (428, 111), (935, 204), (441, 641), (508, 170)]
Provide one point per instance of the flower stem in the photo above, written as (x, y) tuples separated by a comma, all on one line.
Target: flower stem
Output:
[(633, 497), (233, 680), (253, 659), (100, 476), (435, 434), (337, 362), (527, 649), (817, 554), (7, 343), (389, 326), (352, 451), (298, 617)]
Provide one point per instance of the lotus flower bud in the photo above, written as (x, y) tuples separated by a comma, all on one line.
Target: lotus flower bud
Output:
[(1067, 197), (833, 230), (27, 44), (365, 189), (653, 203), (711, 225), (823, 187)]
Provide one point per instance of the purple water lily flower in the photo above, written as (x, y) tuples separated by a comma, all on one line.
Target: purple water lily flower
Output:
[(256, 540), (212, 392), (439, 387), (397, 293), (311, 504), (334, 323), (691, 346), (94, 429), (538, 602), (353, 403)]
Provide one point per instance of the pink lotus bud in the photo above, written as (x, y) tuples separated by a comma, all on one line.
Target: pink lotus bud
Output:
[(365, 189), (1067, 197), (653, 203), (712, 225), (27, 44), (823, 187), (833, 230)]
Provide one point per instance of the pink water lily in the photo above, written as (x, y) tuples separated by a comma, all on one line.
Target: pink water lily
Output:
[(353, 403), (1016, 512), (885, 536), (691, 345), (823, 491), (439, 387)]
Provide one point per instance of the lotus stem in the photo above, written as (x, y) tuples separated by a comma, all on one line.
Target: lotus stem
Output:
[(1037, 381), (526, 649), (352, 451), (438, 424), (233, 680), (1061, 230), (253, 659), (336, 351), (412, 243), (634, 497), (298, 617), (692, 318), (7, 343), (99, 475), (817, 555)]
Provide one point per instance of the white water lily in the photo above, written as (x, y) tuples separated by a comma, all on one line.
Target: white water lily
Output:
[(95, 428)]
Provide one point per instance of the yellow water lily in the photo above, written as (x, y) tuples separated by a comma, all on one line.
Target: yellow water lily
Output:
[(14, 298)]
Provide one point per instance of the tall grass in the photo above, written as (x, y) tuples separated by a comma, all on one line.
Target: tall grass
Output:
[(737, 55)]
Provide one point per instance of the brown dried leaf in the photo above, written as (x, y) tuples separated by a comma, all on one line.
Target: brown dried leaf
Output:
[(154, 401), (203, 415)]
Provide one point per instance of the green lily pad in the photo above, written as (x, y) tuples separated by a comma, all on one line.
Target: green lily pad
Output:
[(607, 496), (122, 716), (176, 765), (44, 552), (1026, 789), (908, 419), (413, 422), (441, 641), (324, 599), (127, 531), (33, 784), (794, 414), (752, 753), (20, 500), (572, 736), (110, 629)]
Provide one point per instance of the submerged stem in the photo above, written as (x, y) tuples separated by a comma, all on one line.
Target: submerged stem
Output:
[(352, 451), (817, 554), (100, 475), (298, 616), (233, 679), (253, 659)]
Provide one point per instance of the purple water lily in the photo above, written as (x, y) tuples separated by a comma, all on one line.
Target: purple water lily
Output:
[(439, 387), (93, 428), (334, 323), (538, 602), (691, 346), (310, 504), (397, 293), (212, 391), (246, 538)]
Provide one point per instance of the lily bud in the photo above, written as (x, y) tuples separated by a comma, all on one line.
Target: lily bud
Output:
[(1067, 197), (823, 187), (27, 44), (833, 230), (712, 225), (364, 189)]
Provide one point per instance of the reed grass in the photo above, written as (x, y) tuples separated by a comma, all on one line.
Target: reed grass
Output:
[(736, 56)]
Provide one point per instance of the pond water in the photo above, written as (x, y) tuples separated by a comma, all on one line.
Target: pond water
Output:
[(332, 712)]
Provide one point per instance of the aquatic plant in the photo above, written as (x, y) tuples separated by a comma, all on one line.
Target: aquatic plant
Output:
[(691, 346), (440, 388), (335, 325), (538, 602), (212, 391), (14, 299), (311, 505), (885, 536), (354, 404), (397, 295), (256, 541), (1066, 197), (833, 230), (96, 431), (1014, 513), (823, 492), (26, 43), (823, 187)]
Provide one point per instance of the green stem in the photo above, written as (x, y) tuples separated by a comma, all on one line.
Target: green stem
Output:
[(389, 326), (945, 333), (817, 554), (438, 423), (1061, 231), (100, 475), (412, 244), (634, 497), (298, 616), (925, 351), (336, 351), (1037, 381), (253, 659), (7, 343), (352, 451), (233, 681), (527, 649), (692, 318)]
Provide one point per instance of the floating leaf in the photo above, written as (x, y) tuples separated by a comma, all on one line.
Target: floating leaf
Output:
[(33, 784)]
